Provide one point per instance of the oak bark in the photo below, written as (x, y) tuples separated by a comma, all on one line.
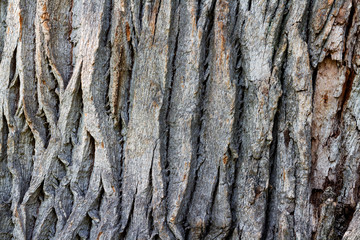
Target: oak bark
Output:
[(169, 119)]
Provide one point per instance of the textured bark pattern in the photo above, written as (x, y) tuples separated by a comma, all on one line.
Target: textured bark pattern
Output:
[(169, 119)]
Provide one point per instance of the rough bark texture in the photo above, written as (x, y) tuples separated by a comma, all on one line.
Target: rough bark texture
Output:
[(171, 119)]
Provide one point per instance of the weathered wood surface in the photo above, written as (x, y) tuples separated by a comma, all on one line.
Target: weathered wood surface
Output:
[(198, 119)]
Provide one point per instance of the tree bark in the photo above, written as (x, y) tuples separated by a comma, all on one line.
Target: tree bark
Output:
[(169, 119)]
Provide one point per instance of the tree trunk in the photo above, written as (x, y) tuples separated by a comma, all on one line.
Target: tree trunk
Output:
[(169, 119)]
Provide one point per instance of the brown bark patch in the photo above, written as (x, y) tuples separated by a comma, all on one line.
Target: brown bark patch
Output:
[(21, 21), (329, 100), (154, 14), (128, 33), (225, 159)]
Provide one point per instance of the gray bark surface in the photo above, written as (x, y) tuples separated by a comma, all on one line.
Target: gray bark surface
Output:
[(169, 119)]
